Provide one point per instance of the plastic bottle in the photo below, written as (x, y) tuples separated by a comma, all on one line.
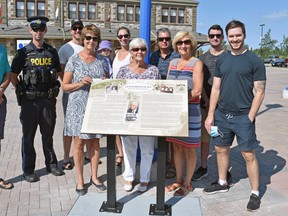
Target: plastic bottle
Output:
[(285, 93)]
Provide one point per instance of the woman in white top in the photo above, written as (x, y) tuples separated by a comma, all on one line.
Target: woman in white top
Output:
[(122, 58)]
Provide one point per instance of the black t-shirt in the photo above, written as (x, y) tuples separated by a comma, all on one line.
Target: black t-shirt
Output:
[(238, 73)]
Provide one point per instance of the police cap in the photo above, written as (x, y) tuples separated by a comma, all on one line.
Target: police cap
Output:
[(38, 21)]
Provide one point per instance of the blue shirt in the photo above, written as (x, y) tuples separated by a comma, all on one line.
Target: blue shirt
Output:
[(4, 65), (163, 63)]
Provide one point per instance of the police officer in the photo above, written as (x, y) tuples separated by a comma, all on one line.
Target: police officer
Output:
[(36, 92)]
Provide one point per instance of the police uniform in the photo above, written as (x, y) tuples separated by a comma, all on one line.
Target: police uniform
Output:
[(36, 94)]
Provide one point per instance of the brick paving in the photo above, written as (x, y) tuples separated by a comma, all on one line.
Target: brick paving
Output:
[(55, 196)]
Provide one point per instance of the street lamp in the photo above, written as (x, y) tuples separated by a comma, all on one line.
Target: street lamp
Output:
[(261, 39), (262, 26)]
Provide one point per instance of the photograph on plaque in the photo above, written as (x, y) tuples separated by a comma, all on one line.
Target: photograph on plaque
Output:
[(137, 107)]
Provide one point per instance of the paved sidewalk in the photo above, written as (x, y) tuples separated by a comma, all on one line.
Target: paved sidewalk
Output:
[(56, 195)]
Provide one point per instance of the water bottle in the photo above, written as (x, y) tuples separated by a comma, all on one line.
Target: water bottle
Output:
[(285, 93)]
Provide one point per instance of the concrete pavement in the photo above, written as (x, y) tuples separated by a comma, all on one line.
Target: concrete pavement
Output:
[(56, 195)]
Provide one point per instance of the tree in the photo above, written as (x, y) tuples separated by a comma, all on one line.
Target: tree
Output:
[(284, 46), (267, 43)]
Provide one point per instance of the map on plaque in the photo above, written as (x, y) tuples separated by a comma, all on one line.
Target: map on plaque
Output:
[(137, 107)]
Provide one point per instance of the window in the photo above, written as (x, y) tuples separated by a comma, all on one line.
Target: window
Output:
[(180, 16), (20, 9), (91, 11), (28, 8), (72, 11), (80, 10), (137, 14), (82, 13), (128, 13), (120, 14), (173, 15), (164, 15)]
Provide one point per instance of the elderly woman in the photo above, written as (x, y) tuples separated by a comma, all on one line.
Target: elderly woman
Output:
[(79, 72), (138, 69), (189, 68)]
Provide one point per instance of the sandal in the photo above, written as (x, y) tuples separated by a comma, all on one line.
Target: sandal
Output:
[(5, 184), (119, 160), (183, 191), (170, 173), (173, 187), (67, 165)]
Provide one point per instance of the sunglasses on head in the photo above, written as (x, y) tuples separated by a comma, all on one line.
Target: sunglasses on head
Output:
[(90, 37), (78, 27), (125, 36), (164, 38), (143, 49), (186, 42), (36, 29), (211, 36)]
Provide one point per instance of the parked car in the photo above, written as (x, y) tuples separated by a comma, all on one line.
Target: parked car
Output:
[(279, 63), (271, 59)]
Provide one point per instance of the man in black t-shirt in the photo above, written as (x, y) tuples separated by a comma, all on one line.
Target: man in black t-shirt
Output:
[(237, 93)]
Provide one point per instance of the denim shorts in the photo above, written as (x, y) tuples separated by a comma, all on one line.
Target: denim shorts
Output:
[(235, 125)]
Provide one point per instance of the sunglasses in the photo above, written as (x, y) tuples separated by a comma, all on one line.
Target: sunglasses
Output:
[(186, 42), (42, 29), (211, 36), (95, 39), (143, 49), (79, 28), (125, 36), (164, 38)]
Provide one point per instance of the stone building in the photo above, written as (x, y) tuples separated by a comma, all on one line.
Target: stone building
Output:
[(108, 15)]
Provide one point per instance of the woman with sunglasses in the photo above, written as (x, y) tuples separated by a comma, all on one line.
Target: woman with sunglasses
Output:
[(122, 57), (138, 69), (189, 68), (80, 69)]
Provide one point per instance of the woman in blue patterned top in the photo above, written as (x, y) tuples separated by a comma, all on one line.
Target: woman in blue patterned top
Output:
[(80, 69)]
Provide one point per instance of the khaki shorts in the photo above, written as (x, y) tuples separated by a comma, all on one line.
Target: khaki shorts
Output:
[(205, 137)]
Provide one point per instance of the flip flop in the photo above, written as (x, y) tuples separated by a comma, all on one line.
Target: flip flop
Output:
[(173, 187), (67, 165), (5, 185)]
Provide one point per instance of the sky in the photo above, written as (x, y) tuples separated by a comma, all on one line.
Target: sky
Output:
[(253, 13)]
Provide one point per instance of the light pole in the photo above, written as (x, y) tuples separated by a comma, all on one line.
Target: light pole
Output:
[(262, 26), (261, 39)]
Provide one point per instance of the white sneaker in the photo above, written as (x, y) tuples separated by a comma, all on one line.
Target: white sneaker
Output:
[(128, 188), (142, 188)]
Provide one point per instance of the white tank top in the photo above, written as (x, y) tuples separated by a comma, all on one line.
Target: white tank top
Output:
[(118, 64)]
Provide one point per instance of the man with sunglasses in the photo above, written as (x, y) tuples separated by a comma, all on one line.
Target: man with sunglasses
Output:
[(36, 92), (162, 57), (65, 52), (209, 58), (237, 93)]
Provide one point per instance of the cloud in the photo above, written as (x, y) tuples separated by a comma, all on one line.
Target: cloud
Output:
[(276, 15)]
